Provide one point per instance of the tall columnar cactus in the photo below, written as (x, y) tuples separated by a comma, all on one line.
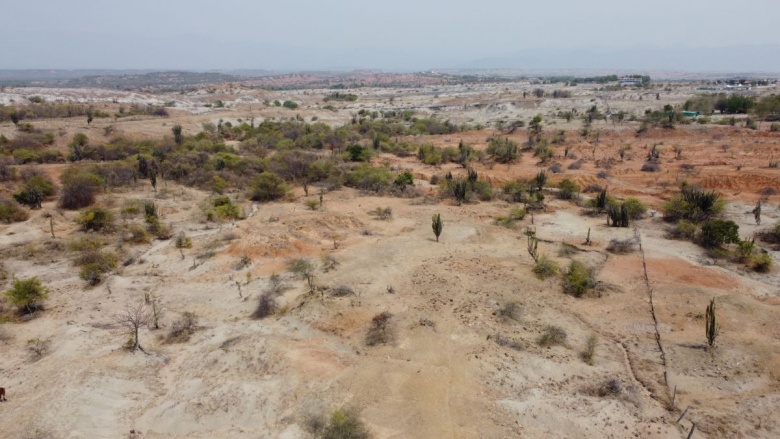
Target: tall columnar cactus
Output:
[(711, 325), (438, 225)]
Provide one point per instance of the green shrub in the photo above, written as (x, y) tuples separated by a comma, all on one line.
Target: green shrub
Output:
[(345, 424), (404, 179), (27, 295), (267, 187), (95, 219), (369, 178), (358, 153), (762, 262), (578, 280), (482, 189), (40, 183), (94, 264), (183, 241), (11, 211), (225, 209), (683, 230), (636, 209), (545, 267), (515, 190), (158, 228), (430, 155), (693, 204), (502, 149), (136, 234), (568, 189), (715, 233)]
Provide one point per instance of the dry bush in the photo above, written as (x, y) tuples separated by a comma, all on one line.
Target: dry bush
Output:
[(593, 187), (510, 311), (37, 348), (621, 246), (545, 268), (342, 291), (589, 354), (383, 213), (342, 424), (609, 387), (266, 306), (508, 342), (11, 211), (5, 335), (380, 330), (650, 167), (183, 328), (551, 336)]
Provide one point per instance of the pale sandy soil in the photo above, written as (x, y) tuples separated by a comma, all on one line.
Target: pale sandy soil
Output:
[(243, 378)]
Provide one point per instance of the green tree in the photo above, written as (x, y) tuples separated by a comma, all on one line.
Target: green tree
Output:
[(267, 187), (27, 294)]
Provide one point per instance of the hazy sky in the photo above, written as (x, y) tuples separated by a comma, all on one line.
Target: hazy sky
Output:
[(268, 34)]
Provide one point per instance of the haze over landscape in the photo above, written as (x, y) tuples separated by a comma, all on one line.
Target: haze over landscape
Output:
[(407, 35), (400, 220)]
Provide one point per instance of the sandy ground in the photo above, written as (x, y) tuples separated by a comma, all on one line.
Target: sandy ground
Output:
[(448, 378)]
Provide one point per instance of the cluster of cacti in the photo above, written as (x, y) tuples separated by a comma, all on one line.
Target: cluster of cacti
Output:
[(618, 216)]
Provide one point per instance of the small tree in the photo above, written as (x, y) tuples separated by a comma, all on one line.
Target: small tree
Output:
[(438, 225), (27, 294), (303, 268), (711, 327), (133, 318)]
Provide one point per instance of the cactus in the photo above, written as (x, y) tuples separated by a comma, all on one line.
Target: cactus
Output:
[(438, 225), (711, 325)]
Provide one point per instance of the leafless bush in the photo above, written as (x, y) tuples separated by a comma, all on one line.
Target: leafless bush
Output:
[(183, 328), (510, 311), (556, 168), (380, 331), (37, 348), (5, 336), (621, 246), (342, 291), (651, 167), (425, 321), (133, 318), (552, 335), (383, 213), (609, 387), (266, 306), (593, 187), (508, 342)]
